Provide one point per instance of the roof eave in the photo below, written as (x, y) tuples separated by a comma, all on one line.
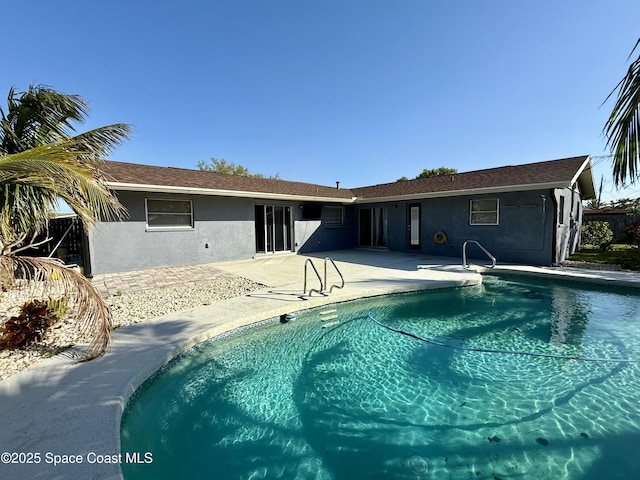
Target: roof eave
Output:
[(225, 193), (468, 191), (584, 179)]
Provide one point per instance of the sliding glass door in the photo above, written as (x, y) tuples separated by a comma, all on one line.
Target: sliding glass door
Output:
[(372, 226), (273, 228)]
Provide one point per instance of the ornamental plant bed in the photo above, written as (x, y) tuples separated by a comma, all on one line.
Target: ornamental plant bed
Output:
[(35, 318), (618, 254)]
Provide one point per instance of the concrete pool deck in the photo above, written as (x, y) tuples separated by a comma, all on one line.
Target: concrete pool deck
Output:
[(65, 411)]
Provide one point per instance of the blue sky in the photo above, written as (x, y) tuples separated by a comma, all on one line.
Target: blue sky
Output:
[(360, 91)]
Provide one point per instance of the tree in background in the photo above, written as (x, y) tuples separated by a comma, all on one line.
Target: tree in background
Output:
[(631, 205), (596, 203), (430, 173), (622, 129), (43, 160), (230, 168)]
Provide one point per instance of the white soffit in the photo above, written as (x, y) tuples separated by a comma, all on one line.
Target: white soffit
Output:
[(585, 172)]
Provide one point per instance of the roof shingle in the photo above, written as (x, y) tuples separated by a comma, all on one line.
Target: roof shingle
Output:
[(133, 174), (563, 172)]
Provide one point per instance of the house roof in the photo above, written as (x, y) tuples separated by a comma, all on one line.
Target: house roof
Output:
[(563, 173), (147, 178)]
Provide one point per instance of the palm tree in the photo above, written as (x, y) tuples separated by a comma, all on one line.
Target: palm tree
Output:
[(41, 161), (622, 129)]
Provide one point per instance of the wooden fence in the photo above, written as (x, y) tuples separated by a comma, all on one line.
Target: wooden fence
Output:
[(616, 221)]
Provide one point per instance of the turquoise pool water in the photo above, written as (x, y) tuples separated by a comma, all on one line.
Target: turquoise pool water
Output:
[(344, 398)]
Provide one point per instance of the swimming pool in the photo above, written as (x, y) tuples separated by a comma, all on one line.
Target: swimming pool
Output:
[(335, 395)]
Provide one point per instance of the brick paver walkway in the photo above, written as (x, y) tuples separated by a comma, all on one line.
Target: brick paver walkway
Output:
[(125, 282)]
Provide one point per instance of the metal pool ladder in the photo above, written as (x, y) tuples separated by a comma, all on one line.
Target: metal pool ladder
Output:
[(323, 285), (464, 254)]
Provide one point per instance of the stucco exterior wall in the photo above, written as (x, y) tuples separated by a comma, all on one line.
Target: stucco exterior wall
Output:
[(535, 227), (223, 229), (316, 236), (568, 206), (525, 233)]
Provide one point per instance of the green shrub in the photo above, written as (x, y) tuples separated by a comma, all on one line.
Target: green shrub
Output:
[(632, 233), (598, 234), (630, 259), (35, 318)]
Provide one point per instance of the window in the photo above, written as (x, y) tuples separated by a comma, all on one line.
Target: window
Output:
[(561, 211), (333, 215), (169, 213), (483, 212), (311, 211)]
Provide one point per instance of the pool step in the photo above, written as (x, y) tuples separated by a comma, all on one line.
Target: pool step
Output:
[(328, 317), (330, 324), (330, 314)]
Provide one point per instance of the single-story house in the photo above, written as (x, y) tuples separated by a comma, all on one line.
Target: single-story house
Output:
[(527, 214)]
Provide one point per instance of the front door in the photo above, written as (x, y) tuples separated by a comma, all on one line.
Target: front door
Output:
[(273, 228), (414, 225)]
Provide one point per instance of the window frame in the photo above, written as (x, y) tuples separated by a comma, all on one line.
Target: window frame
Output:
[(495, 211), (149, 227), (326, 217)]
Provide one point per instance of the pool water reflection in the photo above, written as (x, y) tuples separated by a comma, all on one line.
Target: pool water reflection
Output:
[(303, 400)]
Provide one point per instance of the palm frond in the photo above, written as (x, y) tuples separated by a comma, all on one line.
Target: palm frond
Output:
[(24, 212), (41, 160), (42, 275), (80, 185), (26, 209), (32, 180), (100, 141), (622, 129), (39, 115)]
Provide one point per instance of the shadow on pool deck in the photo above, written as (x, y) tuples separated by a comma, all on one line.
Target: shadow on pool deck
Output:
[(357, 266), (279, 270), (67, 408)]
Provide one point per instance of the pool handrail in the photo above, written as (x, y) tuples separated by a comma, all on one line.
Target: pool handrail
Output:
[(311, 290), (324, 286), (335, 285), (464, 254)]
